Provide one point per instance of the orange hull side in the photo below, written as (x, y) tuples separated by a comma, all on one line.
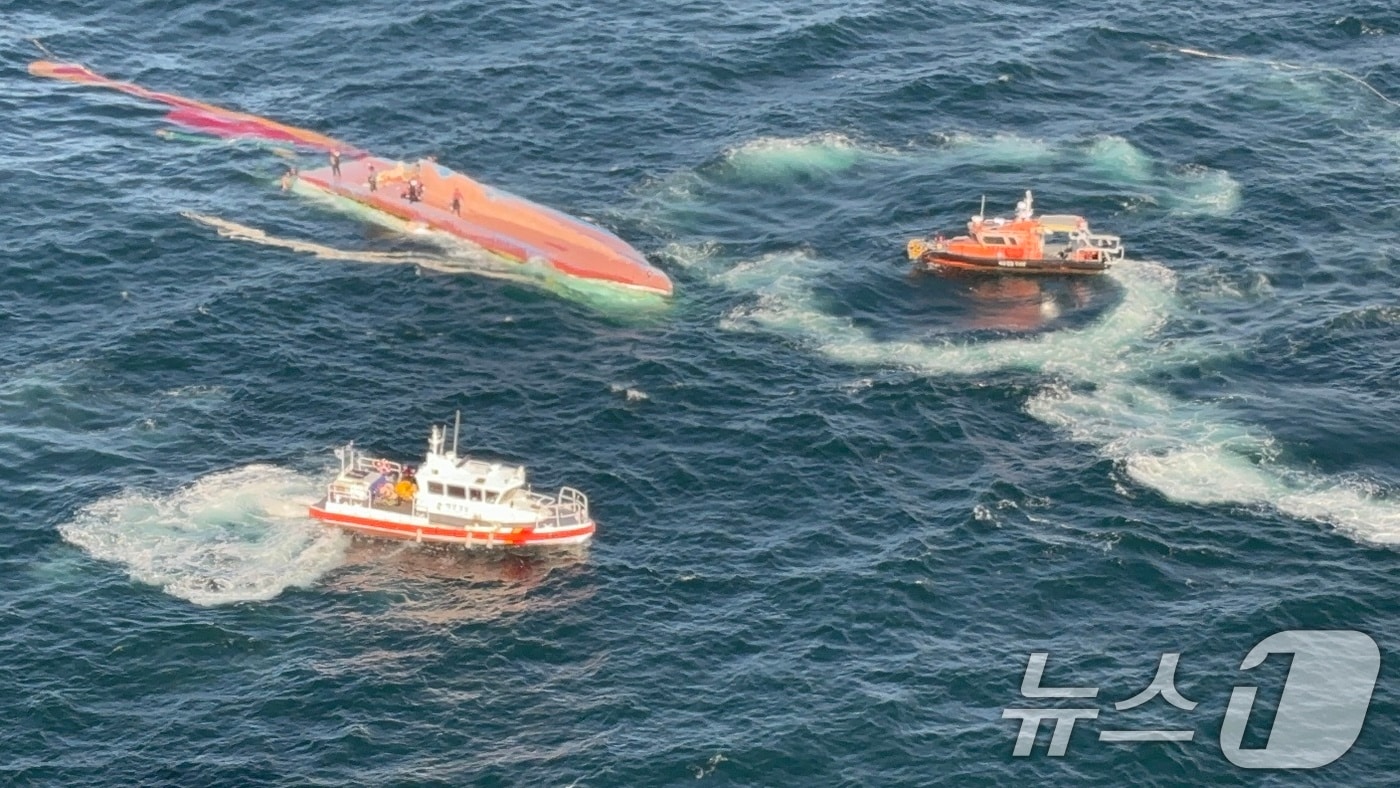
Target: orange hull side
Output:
[(502, 223)]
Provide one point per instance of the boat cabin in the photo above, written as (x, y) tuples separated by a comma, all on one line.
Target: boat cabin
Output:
[(1028, 237), (469, 488)]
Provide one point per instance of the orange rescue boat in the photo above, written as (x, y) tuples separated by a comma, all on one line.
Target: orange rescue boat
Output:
[(1025, 244)]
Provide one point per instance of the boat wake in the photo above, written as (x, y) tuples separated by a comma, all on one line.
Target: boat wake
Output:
[(1186, 451), (484, 264), (234, 536), (1099, 389), (454, 256)]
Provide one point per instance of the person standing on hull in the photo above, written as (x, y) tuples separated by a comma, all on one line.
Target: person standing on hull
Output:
[(335, 164), (457, 201), (373, 179)]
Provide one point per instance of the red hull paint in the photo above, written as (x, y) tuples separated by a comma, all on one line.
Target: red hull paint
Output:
[(995, 265), (445, 535)]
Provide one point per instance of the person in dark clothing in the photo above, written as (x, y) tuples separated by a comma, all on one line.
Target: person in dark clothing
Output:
[(335, 163), (373, 179), (457, 201)]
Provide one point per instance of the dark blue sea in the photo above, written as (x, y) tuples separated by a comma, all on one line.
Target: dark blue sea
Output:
[(840, 504)]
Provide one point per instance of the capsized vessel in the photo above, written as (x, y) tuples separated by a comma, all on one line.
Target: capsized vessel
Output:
[(508, 226), (504, 224), (450, 499), (1025, 244)]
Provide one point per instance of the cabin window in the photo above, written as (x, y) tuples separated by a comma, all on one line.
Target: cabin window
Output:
[(456, 492), (434, 488), (491, 497), (993, 240), (476, 494)]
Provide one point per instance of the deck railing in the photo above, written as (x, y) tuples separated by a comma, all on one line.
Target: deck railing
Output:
[(356, 462), (570, 508)]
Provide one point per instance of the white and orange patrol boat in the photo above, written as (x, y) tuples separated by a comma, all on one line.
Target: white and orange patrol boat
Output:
[(450, 500), (1026, 244)]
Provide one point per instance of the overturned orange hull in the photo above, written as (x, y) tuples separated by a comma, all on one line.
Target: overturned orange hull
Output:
[(506, 225), (502, 223)]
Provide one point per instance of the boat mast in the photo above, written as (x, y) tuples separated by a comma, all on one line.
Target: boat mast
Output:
[(456, 430)]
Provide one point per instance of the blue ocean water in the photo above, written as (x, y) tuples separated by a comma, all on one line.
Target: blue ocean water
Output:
[(840, 504)]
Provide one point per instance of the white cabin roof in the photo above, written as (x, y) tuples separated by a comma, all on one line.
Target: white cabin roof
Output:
[(470, 472), (1062, 222)]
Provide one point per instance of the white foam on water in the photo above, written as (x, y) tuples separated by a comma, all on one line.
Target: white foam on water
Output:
[(1000, 148), (452, 256), (781, 158), (1119, 159), (1219, 283), (629, 392), (1189, 452), (785, 303), (1198, 190), (1191, 190), (235, 536), (692, 255)]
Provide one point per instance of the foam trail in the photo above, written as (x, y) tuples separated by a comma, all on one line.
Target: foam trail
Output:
[(1190, 190), (236, 536), (1119, 159), (1002, 148), (1186, 451), (776, 158), (483, 263), (1203, 190), (785, 303), (1190, 454), (456, 257)]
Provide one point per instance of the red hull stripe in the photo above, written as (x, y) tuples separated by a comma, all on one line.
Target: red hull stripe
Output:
[(456, 534)]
